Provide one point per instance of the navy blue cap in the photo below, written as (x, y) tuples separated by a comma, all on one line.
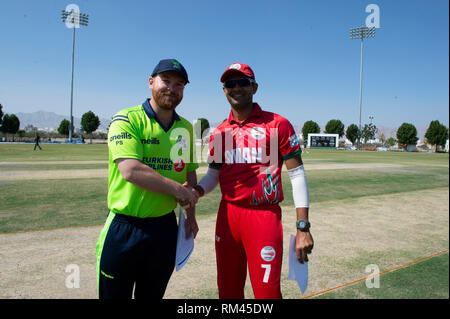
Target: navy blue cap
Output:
[(170, 65)]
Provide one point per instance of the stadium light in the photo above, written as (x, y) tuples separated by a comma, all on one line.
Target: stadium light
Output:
[(361, 33), (73, 19)]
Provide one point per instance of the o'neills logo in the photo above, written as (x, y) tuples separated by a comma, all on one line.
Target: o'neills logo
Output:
[(121, 136)]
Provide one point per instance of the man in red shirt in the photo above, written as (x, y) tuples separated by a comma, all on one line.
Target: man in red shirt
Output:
[(246, 154)]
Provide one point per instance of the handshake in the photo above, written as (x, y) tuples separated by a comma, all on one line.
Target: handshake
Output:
[(187, 196)]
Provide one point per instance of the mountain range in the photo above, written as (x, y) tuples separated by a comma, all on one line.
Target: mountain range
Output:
[(49, 121)]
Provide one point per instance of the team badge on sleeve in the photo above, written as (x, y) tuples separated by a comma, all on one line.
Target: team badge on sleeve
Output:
[(293, 140)]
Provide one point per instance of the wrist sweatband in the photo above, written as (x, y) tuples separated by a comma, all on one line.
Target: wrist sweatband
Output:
[(299, 186)]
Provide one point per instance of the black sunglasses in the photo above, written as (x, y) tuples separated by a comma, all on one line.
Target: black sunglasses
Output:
[(230, 84)]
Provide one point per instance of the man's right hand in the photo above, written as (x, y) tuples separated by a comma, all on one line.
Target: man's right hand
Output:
[(135, 172), (186, 196)]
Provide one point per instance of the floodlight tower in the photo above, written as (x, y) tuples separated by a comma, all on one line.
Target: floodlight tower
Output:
[(73, 19), (361, 33)]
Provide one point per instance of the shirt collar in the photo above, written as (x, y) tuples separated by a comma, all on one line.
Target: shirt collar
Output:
[(151, 114), (256, 112)]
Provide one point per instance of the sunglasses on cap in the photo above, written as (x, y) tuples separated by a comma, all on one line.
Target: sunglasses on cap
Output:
[(230, 84)]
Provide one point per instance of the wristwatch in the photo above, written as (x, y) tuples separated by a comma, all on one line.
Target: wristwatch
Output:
[(303, 225)]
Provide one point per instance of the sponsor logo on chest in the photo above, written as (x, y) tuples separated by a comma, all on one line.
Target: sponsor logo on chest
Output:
[(241, 155)]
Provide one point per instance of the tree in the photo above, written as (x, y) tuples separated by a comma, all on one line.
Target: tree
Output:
[(1, 114), (352, 133), (383, 139), (309, 127), (368, 132), (201, 129), (437, 134), (10, 124), (63, 128), (391, 141), (407, 134), (335, 127), (89, 123)]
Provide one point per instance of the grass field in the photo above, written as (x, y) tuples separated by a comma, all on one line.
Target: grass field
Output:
[(429, 277), (352, 194), (52, 199)]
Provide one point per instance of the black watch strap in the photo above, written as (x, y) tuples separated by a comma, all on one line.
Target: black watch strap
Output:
[(303, 225)]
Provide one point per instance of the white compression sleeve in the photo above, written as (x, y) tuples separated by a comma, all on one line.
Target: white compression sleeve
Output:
[(210, 180), (299, 186)]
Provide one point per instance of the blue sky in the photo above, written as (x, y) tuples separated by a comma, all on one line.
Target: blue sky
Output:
[(306, 65)]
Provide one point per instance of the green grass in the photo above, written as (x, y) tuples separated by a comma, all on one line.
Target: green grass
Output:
[(31, 204), (339, 184), (42, 204), (426, 279), (47, 167), (53, 152), (402, 158), (93, 152)]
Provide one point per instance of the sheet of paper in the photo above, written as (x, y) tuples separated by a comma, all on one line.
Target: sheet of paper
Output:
[(184, 246), (297, 271)]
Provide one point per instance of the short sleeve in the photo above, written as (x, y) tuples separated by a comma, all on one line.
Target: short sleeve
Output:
[(287, 140), (123, 140)]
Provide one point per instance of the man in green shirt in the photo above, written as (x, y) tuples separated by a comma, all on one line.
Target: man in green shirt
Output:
[(151, 161)]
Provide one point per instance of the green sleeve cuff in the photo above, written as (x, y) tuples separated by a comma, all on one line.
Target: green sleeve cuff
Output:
[(287, 156)]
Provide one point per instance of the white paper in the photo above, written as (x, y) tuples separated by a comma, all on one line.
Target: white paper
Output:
[(297, 271), (184, 246)]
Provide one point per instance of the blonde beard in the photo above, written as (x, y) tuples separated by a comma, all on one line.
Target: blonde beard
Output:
[(165, 102)]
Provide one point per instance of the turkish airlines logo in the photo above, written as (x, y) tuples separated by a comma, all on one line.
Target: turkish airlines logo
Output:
[(179, 165)]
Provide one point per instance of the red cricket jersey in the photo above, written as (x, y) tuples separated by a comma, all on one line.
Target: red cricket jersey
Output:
[(250, 156)]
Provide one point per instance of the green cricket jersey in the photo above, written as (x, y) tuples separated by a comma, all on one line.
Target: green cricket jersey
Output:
[(136, 133)]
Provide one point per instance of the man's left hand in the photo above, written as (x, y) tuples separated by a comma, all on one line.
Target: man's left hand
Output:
[(304, 244), (191, 224)]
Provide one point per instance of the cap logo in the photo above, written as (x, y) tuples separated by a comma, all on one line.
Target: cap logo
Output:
[(176, 64), (235, 66)]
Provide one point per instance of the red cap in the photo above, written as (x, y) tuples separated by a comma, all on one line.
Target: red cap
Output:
[(238, 68)]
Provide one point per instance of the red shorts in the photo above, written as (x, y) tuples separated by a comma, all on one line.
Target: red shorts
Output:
[(253, 236)]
